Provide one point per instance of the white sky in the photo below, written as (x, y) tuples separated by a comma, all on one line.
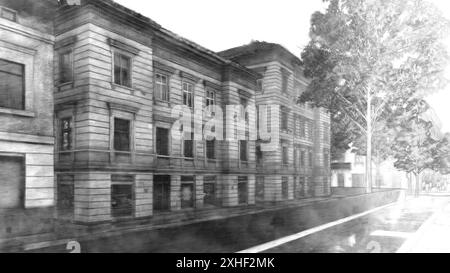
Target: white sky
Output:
[(219, 25)]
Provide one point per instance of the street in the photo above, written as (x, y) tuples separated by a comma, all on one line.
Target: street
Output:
[(384, 230)]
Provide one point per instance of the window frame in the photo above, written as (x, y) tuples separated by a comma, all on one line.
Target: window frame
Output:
[(8, 10), (157, 128), (23, 106), (160, 97), (285, 156), (62, 131), (61, 53), (188, 93), (129, 149), (185, 180), (246, 159), (131, 59), (192, 151), (208, 149), (131, 183)]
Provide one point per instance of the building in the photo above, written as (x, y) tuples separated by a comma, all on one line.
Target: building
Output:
[(299, 167), (348, 174), (26, 117), (108, 114)]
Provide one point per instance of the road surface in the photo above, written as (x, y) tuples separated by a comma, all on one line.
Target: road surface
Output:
[(384, 230)]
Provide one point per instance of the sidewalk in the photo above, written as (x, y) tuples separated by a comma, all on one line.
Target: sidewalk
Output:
[(433, 236)]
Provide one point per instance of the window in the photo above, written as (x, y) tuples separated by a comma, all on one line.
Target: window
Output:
[(12, 182), (259, 189), (285, 187), (243, 150), (8, 14), (161, 192), (65, 67), (162, 87), (259, 154), (285, 156), (259, 85), (211, 149), (244, 113), (341, 180), (122, 69), (302, 158), (162, 141), (187, 192), (210, 98), (210, 191), (188, 94), (310, 159), (242, 190), (326, 132), (284, 120), (284, 84), (269, 118), (122, 201), (121, 135), (189, 146), (326, 160), (303, 128), (310, 130), (66, 134), (12, 85), (65, 195)]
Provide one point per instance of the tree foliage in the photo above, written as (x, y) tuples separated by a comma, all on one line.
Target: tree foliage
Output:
[(369, 58)]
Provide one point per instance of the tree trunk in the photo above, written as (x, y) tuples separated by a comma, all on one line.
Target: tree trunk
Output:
[(369, 144), (417, 190), (410, 186)]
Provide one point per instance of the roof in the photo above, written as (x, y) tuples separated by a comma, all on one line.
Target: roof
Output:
[(255, 47), (177, 37)]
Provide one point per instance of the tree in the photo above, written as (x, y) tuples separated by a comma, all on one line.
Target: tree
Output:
[(367, 57), (416, 147)]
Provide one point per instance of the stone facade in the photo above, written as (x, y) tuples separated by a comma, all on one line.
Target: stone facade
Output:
[(304, 133), (26, 115), (117, 80)]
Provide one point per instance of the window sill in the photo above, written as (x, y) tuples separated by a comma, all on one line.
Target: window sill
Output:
[(14, 112), (119, 87), (68, 84)]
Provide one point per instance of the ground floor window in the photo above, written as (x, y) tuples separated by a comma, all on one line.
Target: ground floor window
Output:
[(310, 186), (122, 198), (242, 190), (358, 180), (12, 182), (341, 180), (187, 192), (65, 195), (260, 189), (210, 191), (300, 187), (285, 187), (161, 192)]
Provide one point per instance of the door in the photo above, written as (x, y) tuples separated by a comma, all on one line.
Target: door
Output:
[(341, 180), (161, 193), (242, 190), (12, 181)]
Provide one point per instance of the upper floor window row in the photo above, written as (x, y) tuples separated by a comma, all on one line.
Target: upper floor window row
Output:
[(8, 14), (12, 85)]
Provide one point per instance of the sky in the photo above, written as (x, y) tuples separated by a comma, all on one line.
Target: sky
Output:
[(219, 25)]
